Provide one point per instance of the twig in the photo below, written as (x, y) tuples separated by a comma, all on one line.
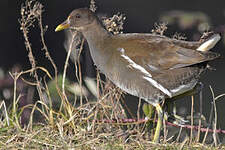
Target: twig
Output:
[(164, 130), (80, 75), (15, 77), (192, 118), (29, 14), (222, 95), (2, 104), (215, 117), (45, 48), (200, 121), (183, 143), (138, 110), (66, 65), (178, 137), (210, 122), (98, 85)]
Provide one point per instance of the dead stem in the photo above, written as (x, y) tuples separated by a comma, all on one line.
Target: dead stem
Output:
[(192, 118), (200, 120), (65, 67), (2, 104), (80, 75), (210, 122), (179, 134), (29, 14), (15, 77), (45, 48), (215, 117), (138, 110)]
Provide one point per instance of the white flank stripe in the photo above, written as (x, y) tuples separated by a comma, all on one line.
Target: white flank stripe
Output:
[(147, 76), (207, 45), (136, 66), (153, 68)]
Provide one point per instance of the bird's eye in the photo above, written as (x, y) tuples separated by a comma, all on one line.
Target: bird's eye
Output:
[(77, 15)]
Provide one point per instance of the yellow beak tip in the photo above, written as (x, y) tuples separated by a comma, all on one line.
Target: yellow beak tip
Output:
[(62, 27), (58, 28)]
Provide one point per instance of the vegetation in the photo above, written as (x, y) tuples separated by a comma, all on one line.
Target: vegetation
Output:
[(61, 117)]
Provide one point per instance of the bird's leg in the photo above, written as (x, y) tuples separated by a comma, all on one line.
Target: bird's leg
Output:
[(159, 123), (172, 114), (149, 112), (171, 106)]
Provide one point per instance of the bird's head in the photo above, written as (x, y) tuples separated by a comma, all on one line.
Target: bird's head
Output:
[(78, 19)]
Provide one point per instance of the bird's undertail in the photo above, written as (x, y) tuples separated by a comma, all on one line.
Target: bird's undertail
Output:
[(209, 43), (210, 55)]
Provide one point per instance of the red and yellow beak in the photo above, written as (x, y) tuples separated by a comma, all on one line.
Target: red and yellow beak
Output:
[(63, 26)]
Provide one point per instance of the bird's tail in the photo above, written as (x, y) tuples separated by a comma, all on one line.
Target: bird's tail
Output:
[(209, 43)]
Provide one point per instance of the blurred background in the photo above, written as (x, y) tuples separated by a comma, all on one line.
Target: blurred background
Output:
[(189, 18)]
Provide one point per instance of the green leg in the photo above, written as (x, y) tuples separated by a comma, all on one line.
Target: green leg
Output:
[(173, 117), (159, 123)]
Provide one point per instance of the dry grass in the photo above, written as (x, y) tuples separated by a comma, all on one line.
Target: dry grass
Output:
[(76, 125), (45, 137)]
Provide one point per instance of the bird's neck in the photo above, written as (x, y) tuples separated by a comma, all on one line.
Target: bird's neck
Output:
[(95, 33), (98, 39)]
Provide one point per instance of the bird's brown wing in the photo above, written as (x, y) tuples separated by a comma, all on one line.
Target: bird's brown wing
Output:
[(158, 54)]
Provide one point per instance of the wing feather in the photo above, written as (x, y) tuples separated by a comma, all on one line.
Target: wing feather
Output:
[(160, 53)]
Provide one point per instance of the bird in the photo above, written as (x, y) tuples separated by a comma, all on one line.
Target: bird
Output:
[(151, 67)]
